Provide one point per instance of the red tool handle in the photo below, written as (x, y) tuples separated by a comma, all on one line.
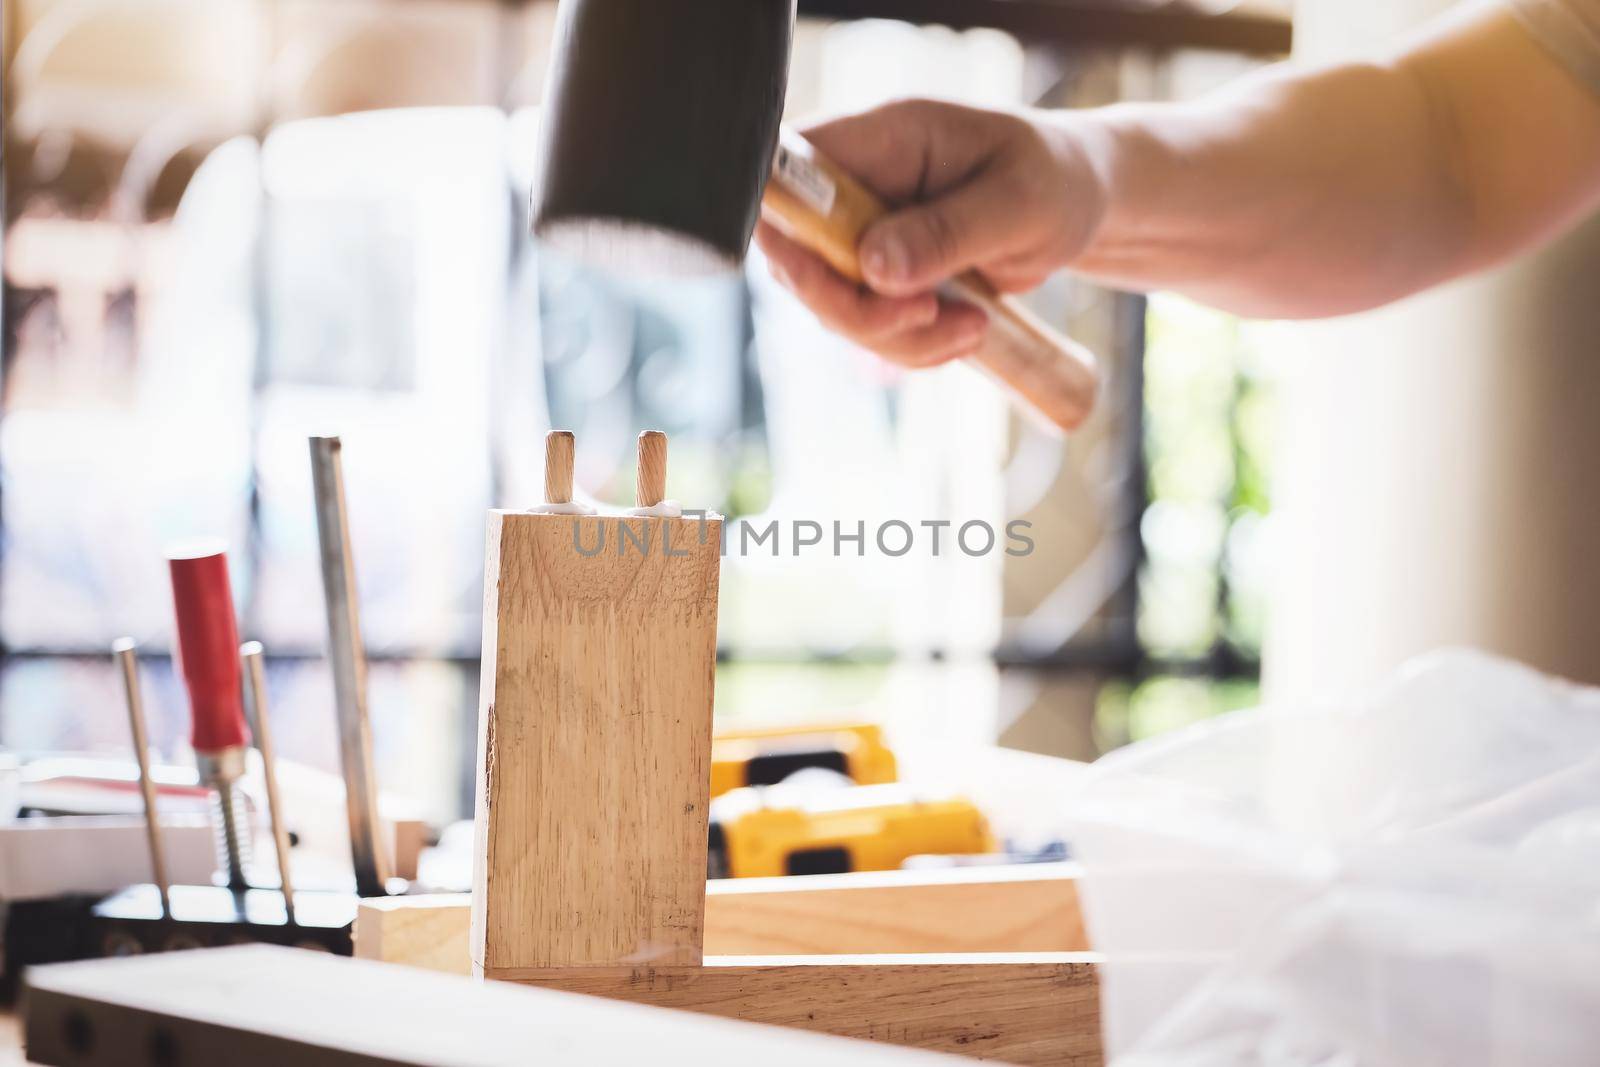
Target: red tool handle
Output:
[(208, 650)]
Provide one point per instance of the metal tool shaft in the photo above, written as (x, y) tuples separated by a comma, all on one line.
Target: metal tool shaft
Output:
[(124, 649), (348, 660), (221, 771), (256, 691), (234, 827)]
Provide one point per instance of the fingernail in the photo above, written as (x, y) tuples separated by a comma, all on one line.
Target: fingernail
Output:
[(885, 260)]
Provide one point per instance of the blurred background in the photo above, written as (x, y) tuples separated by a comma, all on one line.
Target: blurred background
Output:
[(232, 223)]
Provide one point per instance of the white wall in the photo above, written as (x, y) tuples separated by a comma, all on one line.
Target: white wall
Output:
[(1439, 481)]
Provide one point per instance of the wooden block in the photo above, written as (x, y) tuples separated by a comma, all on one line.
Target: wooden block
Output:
[(594, 740), (10, 1040), (430, 931), (410, 838), (63, 855), (262, 1006), (1025, 908), (1019, 1008), (593, 781), (1030, 908)]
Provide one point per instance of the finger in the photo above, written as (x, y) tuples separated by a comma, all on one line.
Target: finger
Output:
[(886, 148), (956, 328), (841, 305), (958, 331), (1016, 275), (908, 149), (919, 247)]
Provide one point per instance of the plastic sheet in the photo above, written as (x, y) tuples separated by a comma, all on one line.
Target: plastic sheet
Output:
[(1411, 879)]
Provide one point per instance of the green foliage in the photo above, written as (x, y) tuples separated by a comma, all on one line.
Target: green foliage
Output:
[(758, 694), (1132, 712), (1208, 427)]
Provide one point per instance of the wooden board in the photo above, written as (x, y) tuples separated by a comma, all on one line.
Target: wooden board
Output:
[(594, 740), (260, 1006), (410, 838), (1030, 908), (1017, 1008), (63, 855), (430, 931), (10, 1040), (1027, 908)]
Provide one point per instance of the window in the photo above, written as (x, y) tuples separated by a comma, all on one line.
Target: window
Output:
[(361, 267)]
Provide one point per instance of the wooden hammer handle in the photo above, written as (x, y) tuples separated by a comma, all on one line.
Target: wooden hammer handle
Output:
[(816, 204)]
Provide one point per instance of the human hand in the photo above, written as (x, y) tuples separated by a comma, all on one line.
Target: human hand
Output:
[(1012, 195)]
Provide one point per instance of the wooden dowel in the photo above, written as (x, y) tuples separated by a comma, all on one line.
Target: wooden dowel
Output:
[(652, 483), (127, 658), (251, 654), (558, 452)]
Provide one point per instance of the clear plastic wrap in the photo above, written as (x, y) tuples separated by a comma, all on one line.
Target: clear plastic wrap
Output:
[(1412, 879)]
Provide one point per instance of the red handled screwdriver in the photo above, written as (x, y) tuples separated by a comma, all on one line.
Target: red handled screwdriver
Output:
[(208, 655)]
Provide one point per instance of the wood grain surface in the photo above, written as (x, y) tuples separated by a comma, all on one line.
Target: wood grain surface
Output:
[(650, 485), (559, 450), (1016, 1008), (594, 740), (1032, 908), (263, 1006), (10, 1040)]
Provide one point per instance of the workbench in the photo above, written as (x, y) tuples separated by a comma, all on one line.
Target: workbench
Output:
[(1023, 793)]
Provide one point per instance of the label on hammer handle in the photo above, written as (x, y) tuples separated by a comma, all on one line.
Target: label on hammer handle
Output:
[(806, 181)]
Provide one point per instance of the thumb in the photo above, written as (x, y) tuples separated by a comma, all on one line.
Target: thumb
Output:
[(914, 249)]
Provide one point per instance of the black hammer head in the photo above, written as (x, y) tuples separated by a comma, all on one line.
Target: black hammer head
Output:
[(659, 124)]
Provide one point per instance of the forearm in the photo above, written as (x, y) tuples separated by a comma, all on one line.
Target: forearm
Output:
[(1293, 194), (1285, 197), (1330, 191)]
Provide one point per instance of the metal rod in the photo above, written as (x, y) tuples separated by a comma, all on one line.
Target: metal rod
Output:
[(256, 699), (230, 808), (124, 649), (347, 658)]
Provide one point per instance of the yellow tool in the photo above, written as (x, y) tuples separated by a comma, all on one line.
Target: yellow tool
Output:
[(778, 830), (768, 756)]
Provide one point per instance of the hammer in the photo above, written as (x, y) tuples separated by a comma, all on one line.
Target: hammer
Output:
[(662, 145)]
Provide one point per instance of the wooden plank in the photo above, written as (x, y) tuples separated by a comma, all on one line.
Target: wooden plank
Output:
[(10, 1040), (262, 1006), (1084, 23), (594, 739), (429, 931), (1018, 1008), (410, 838), (62, 855), (1030, 908)]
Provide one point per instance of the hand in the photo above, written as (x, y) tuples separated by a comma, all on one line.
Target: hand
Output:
[(1011, 194)]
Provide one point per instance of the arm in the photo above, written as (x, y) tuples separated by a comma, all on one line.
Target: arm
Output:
[(1291, 194), (1341, 189)]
